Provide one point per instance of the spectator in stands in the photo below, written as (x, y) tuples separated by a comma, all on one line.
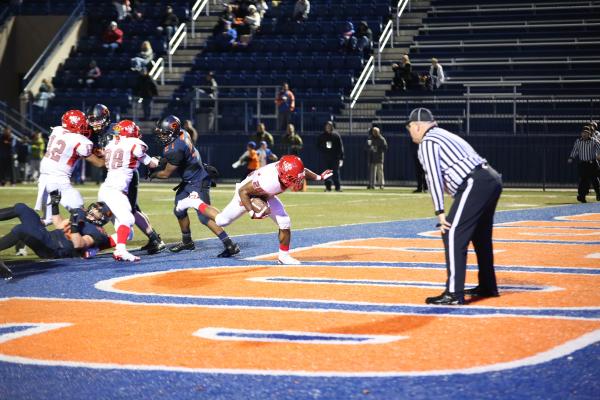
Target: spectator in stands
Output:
[(8, 144), (169, 23), (286, 104), (207, 95), (377, 147), (587, 152), (123, 8), (331, 148), (262, 7), (436, 72), (23, 152), (226, 15), (265, 155), (364, 39), (249, 159), (404, 78), (146, 89), (347, 41), (291, 142), (37, 153), (226, 40), (45, 94), (143, 58), (301, 10), (189, 128), (112, 38), (92, 75), (262, 135)]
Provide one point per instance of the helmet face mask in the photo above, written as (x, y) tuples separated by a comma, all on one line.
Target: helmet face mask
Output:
[(167, 129), (98, 117), (98, 213)]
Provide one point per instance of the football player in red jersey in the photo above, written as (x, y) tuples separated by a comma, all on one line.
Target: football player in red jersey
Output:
[(266, 182)]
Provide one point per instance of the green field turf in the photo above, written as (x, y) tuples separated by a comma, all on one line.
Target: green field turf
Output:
[(310, 209)]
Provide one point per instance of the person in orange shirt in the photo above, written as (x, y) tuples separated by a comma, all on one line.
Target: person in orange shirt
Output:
[(286, 104), (249, 159)]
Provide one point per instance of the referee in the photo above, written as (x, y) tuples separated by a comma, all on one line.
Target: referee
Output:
[(587, 151), (453, 166)]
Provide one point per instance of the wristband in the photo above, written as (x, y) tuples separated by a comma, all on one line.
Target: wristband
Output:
[(318, 178), (439, 212)]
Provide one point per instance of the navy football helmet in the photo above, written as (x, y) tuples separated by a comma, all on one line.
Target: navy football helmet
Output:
[(167, 129), (98, 213), (98, 117)]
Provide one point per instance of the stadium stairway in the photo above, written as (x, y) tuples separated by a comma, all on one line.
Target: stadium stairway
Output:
[(374, 93)]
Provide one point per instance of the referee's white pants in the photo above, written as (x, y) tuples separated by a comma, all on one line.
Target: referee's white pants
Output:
[(118, 202), (70, 197)]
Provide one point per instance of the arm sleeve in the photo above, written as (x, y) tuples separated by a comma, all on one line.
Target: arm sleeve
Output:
[(429, 152), (575, 151)]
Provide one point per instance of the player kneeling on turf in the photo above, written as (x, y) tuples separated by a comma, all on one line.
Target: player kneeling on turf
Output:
[(80, 235), (266, 183)]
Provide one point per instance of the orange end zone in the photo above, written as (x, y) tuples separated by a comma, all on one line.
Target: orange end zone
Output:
[(358, 284), (539, 234), (165, 336), (432, 251)]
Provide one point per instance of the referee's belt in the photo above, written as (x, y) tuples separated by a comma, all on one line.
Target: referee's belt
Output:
[(477, 168)]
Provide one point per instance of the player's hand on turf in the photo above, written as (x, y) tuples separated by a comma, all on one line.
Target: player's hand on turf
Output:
[(326, 174), (55, 197)]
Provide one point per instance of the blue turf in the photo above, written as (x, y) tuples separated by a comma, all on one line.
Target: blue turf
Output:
[(573, 376)]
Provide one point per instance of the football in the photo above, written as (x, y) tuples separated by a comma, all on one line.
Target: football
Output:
[(258, 204)]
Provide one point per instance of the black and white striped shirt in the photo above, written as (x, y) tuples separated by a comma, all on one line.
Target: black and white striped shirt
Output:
[(447, 159), (585, 150)]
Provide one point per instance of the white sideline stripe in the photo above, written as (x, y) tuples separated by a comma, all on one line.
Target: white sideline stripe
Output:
[(593, 255), (570, 217), (546, 356), (405, 249), (213, 334), (35, 329), (108, 286)]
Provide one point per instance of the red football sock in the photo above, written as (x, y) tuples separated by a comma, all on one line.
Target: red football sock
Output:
[(284, 247), (122, 234)]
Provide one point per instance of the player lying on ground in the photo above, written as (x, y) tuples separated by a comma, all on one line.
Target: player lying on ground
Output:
[(81, 235), (98, 118), (180, 157), (266, 182)]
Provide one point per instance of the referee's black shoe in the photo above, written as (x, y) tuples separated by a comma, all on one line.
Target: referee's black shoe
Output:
[(581, 199), (445, 299), (478, 291), (5, 272)]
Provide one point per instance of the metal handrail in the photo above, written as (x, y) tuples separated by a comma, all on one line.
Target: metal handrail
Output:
[(399, 10), (387, 34), (158, 70), (197, 8), (179, 35), (17, 119), (58, 38)]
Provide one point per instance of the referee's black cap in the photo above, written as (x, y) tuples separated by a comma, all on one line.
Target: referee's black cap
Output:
[(420, 115)]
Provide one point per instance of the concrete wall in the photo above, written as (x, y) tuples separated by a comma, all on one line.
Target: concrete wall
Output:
[(27, 39), (4, 35)]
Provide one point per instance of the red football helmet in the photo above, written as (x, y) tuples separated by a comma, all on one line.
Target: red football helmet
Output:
[(291, 172), (128, 128), (75, 121)]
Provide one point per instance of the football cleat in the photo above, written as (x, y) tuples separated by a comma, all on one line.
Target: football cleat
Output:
[(5, 272), (286, 259), (229, 251), (182, 246), (124, 255), (189, 202), (154, 246)]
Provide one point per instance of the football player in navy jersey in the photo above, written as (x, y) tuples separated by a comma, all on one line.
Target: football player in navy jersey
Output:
[(80, 235), (180, 157), (103, 131)]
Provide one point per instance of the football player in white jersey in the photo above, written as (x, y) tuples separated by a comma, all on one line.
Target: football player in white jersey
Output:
[(67, 143), (122, 156), (266, 182)]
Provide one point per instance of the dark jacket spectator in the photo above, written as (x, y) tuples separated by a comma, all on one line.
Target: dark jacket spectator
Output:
[(263, 136), (301, 10), (291, 143), (146, 89), (331, 148), (347, 41), (169, 23), (364, 39), (7, 151), (92, 75)]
